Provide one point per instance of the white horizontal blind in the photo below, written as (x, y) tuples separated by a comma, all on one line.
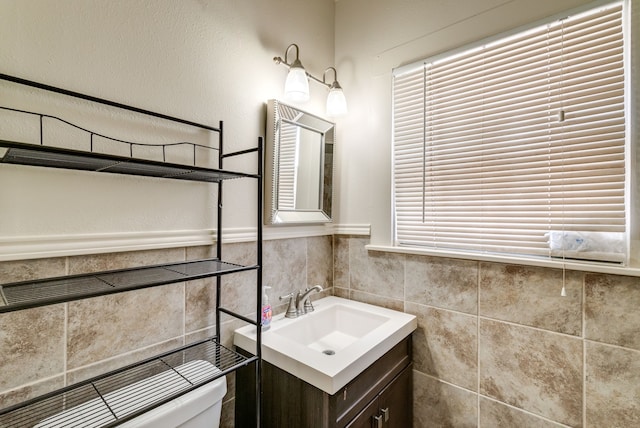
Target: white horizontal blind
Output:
[(499, 145), (287, 166)]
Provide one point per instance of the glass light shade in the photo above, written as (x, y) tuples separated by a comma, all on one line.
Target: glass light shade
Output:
[(336, 102), (296, 87)]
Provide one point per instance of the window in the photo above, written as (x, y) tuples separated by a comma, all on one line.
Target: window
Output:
[(516, 146)]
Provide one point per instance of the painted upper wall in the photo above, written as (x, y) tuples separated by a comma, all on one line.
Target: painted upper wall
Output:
[(202, 60), (372, 38), (208, 60)]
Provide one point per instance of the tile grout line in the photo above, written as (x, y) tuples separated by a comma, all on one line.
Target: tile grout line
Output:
[(349, 268), (34, 383), (612, 345), (525, 411), (584, 351), (404, 284), (453, 385), (511, 323), (487, 397), (333, 265), (65, 332), (540, 329), (584, 383), (128, 353), (184, 303), (478, 292)]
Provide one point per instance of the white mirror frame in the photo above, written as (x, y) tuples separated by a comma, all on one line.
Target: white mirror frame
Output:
[(279, 113)]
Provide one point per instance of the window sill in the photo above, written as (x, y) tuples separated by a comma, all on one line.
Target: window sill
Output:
[(497, 258)]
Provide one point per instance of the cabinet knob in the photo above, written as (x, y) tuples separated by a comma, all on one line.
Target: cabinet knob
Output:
[(377, 421), (385, 414)]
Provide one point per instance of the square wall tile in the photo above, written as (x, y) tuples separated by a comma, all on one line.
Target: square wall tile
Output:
[(532, 296), (534, 370), (445, 345), (341, 292), (32, 345), (106, 326), (611, 311), (30, 391), (200, 304), (125, 260), (498, 415), (284, 266), (320, 261), (375, 272), (203, 252), (341, 261), (239, 293), (445, 283), (25, 270), (612, 386), (238, 289), (110, 364), (200, 335), (242, 253), (437, 404), (375, 299), (227, 416)]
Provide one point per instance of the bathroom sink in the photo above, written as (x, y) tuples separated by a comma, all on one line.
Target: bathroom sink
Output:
[(332, 345), (332, 329)]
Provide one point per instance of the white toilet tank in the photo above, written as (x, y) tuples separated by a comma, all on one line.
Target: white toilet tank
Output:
[(200, 408)]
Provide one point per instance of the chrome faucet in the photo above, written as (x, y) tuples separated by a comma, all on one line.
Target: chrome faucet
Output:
[(299, 303), (303, 303)]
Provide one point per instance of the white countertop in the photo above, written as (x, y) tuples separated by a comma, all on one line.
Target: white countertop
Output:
[(359, 334)]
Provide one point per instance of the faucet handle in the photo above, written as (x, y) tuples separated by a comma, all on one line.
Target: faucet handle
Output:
[(292, 312), (308, 305)]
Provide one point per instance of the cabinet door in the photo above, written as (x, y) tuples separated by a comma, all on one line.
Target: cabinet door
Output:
[(392, 408), (395, 403), (365, 417)]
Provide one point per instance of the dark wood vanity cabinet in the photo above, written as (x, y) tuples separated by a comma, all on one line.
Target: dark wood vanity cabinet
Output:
[(381, 396), (391, 408)]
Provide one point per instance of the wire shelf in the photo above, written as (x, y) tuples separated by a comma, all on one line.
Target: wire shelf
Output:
[(116, 397), (28, 294), (54, 157)]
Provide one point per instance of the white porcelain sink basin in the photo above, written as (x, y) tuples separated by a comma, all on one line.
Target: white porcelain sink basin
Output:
[(332, 329), (332, 345)]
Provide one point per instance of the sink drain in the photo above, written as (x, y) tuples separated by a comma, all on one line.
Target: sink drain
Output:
[(329, 352)]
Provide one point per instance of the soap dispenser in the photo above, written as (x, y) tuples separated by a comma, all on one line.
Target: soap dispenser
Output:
[(266, 309)]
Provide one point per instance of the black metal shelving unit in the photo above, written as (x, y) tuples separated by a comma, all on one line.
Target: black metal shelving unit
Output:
[(29, 294), (178, 371)]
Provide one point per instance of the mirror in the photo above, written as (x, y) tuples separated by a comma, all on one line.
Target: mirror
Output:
[(298, 166)]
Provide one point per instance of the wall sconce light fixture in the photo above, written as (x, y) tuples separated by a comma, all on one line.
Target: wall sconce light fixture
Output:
[(296, 87)]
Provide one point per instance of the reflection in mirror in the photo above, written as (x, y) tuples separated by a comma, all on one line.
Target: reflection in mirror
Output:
[(298, 166)]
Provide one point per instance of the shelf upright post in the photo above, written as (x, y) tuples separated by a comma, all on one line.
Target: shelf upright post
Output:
[(219, 234), (259, 285)]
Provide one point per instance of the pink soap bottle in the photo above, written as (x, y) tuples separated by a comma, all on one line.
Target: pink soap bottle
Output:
[(266, 309)]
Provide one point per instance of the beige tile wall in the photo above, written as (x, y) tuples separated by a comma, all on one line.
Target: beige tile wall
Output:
[(43, 349), (496, 344)]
